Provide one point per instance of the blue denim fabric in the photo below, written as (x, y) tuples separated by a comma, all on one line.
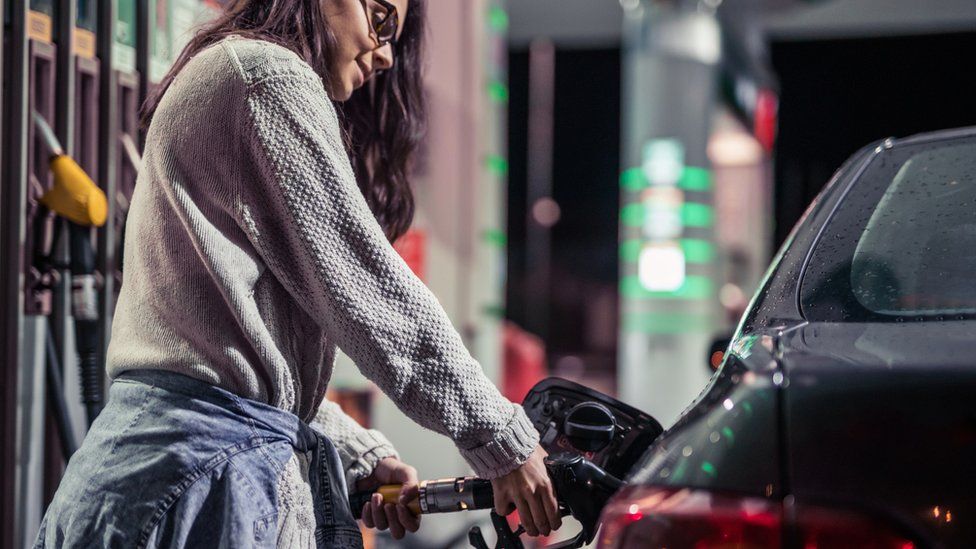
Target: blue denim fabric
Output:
[(175, 462)]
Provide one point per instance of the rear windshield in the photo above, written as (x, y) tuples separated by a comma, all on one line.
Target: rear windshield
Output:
[(902, 244)]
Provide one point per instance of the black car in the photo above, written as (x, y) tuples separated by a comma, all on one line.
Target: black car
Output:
[(844, 413)]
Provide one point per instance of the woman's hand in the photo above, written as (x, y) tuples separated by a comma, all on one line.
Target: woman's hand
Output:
[(397, 517), (529, 490)]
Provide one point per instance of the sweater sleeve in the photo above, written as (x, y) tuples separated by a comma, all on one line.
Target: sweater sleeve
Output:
[(359, 449), (303, 211)]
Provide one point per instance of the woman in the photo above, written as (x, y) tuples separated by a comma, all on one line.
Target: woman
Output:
[(254, 247)]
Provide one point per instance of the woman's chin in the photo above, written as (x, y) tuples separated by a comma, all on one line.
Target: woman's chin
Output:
[(341, 92)]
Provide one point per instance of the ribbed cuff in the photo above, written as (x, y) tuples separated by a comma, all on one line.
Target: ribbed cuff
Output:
[(510, 448), (367, 448)]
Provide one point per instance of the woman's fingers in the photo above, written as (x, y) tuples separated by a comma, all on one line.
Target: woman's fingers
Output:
[(551, 507), (539, 515), (525, 516), (379, 516), (367, 515), (406, 475), (396, 529), (530, 489), (409, 521), (504, 504), (409, 492), (397, 517)]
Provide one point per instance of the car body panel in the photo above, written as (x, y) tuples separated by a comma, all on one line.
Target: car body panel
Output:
[(881, 417), (724, 442)]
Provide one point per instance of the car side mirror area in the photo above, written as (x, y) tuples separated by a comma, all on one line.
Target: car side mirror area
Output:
[(717, 350)]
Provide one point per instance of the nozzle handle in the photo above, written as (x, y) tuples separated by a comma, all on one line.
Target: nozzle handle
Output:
[(390, 493)]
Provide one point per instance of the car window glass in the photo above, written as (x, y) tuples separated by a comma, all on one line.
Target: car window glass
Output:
[(917, 254), (902, 244)]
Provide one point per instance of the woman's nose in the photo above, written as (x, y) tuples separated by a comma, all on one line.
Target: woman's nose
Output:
[(383, 57)]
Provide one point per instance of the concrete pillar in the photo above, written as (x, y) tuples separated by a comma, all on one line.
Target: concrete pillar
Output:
[(668, 274)]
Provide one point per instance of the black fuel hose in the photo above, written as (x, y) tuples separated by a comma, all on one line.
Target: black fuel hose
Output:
[(84, 309)]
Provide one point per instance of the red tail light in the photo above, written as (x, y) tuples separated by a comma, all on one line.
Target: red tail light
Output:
[(650, 517)]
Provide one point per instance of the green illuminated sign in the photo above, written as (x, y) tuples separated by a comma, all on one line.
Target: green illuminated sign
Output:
[(498, 91), (495, 237), (693, 214), (696, 250), (697, 215), (497, 19), (497, 165), (692, 179), (694, 287)]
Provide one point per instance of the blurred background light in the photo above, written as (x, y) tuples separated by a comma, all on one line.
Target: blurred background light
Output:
[(734, 148), (546, 212), (661, 267)]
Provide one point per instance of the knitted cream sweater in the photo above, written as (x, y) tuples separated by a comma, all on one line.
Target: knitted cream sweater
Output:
[(250, 254)]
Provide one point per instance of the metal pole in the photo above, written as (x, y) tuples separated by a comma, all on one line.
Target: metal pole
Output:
[(542, 71), (65, 98), (6, 409), (12, 242), (60, 322), (143, 54), (108, 123)]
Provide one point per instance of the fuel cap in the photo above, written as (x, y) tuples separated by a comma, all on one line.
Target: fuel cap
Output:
[(590, 426)]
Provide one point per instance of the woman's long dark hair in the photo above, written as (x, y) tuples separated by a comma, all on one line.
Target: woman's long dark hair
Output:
[(384, 121)]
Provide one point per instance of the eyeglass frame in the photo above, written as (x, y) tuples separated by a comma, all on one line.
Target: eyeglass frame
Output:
[(391, 12)]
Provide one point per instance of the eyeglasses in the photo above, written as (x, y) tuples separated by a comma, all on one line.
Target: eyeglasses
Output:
[(384, 21)]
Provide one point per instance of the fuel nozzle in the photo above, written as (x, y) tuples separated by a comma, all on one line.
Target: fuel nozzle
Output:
[(74, 195), (455, 494), (446, 495)]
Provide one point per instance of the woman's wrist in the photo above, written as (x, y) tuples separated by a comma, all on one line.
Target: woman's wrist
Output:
[(372, 447), (507, 450)]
